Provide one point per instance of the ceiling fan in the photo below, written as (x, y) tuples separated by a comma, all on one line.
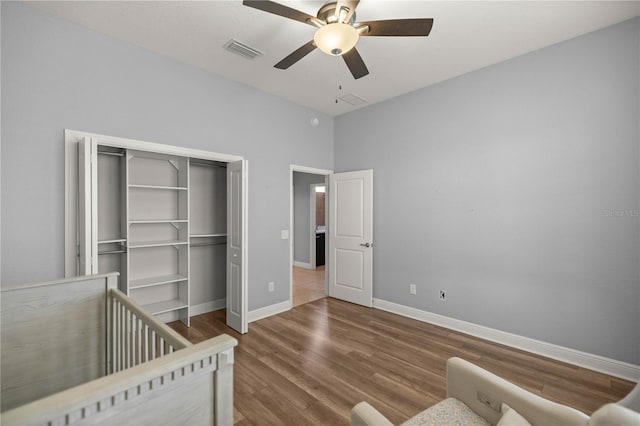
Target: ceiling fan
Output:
[(338, 33)]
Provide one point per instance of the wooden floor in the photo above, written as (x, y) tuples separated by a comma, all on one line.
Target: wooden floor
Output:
[(312, 364), (308, 285)]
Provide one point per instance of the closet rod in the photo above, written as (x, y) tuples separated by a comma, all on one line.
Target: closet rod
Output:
[(208, 244), (203, 163), (112, 252), (116, 154)]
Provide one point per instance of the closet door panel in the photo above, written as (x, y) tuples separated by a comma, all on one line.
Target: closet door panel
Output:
[(87, 207), (236, 246)]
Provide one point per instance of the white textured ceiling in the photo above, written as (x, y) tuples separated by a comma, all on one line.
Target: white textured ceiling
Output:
[(466, 36)]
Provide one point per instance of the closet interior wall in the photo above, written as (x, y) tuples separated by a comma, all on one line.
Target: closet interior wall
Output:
[(208, 232)]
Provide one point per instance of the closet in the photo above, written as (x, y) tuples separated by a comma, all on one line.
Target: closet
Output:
[(160, 217)]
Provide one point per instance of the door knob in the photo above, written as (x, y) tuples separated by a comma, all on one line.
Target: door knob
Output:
[(366, 245)]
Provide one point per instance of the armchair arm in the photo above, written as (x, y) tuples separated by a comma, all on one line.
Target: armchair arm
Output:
[(485, 392), (364, 414), (614, 415)]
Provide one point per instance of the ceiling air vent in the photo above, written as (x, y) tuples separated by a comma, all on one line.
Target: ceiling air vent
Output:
[(242, 49), (353, 99)]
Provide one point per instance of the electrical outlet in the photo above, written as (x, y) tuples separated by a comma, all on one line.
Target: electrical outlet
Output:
[(412, 289), (272, 286), (443, 297)]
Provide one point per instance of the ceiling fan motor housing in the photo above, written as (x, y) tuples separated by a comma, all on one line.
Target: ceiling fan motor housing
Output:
[(327, 13)]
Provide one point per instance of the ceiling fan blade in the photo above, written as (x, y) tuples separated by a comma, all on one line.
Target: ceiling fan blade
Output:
[(398, 27), (279, 9), (355, 63), (349, 6), (296, 56)]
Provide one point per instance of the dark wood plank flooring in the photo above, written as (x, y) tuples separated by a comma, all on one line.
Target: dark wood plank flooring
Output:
[(312, 364)]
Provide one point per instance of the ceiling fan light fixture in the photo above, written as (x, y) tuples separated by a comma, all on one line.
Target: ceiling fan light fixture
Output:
[(336, 39)]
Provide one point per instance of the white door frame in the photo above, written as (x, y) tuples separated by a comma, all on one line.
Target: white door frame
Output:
[(315, 171), (312, 222), (71, 139)]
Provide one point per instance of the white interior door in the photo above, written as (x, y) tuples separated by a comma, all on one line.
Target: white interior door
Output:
[(351, 236), (236, 246)]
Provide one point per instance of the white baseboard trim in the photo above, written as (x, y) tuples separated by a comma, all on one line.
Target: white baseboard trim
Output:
[(203, 308), (304, 265), (268, 311), (582, 359)]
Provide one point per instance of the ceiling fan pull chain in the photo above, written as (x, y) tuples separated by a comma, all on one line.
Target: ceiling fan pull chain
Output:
[(338, 85)]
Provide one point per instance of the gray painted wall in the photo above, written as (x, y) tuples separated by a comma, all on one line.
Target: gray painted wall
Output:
[(514, 189), (301, 215), (58, 75)]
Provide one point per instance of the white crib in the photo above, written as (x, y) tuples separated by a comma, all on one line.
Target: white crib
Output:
[(78, 351)]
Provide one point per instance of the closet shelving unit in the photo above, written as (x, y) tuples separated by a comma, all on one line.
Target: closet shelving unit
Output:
[(158, 215), (157, 194)]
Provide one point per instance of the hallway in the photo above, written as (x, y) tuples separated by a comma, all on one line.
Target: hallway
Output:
[(308, 285)]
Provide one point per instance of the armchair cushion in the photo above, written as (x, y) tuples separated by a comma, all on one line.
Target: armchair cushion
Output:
[(448, 412)]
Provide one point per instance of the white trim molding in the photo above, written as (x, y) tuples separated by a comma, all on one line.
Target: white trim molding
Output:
[(203, 308), (572, 356), (305, 265), (315, 171), (267, 311)]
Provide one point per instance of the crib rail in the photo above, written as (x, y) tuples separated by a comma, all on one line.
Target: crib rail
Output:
[(193, 385), (134, 336)]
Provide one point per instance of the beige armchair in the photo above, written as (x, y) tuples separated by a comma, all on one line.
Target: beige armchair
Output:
[(478, 397)]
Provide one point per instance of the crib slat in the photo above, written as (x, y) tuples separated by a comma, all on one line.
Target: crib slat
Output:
[(139, 348), (125, 331), (111, 323), (160, 348), (114, 334), (137, 337), (118, 337), (152, 344), (143, 344), (129, 341)]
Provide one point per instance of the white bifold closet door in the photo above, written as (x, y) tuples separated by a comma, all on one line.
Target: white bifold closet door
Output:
[(236, 242)]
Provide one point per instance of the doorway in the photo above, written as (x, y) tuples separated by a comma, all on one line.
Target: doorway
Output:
[(308, 226)]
